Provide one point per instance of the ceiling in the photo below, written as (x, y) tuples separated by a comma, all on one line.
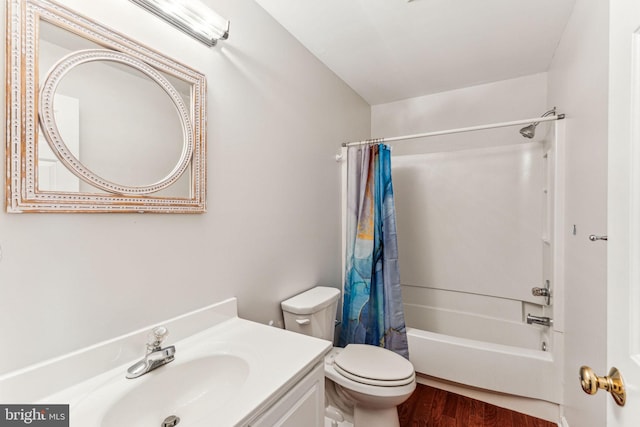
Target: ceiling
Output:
[(388, 50)]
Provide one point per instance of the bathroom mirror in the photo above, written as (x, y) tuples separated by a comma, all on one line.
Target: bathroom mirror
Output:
[(96, 121)]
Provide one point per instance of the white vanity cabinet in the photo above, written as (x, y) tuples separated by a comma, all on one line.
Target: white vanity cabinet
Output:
[(302, 406)]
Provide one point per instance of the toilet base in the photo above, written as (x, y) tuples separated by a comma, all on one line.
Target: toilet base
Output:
[(371, 417)]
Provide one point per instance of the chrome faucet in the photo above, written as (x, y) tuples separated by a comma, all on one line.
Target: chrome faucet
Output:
[(156, 355), (544, 321)]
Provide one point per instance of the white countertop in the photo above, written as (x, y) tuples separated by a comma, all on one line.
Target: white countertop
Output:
[(276, 359)]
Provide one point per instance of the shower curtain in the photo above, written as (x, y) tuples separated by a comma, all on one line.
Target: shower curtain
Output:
[(372, 307)]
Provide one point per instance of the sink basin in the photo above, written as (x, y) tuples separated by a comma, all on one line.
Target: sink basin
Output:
[(191, 390)]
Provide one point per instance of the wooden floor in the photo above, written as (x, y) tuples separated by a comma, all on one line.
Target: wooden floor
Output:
[(431, 407)]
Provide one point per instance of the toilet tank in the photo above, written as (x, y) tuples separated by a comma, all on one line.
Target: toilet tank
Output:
[(312, 312)]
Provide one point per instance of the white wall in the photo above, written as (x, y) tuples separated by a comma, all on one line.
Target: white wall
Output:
[(502, 101), (276, 117), (578, 85)]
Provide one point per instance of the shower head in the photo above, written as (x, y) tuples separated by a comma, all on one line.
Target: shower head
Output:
[(530, 130)]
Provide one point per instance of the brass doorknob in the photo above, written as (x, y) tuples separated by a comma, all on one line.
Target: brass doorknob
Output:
[(612, 383)]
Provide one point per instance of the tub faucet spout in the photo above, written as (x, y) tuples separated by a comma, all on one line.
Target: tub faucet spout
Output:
[(544, 321)]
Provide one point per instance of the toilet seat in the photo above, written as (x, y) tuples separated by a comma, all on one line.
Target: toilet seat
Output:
[(375, 366)]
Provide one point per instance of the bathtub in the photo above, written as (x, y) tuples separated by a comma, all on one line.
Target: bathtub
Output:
[(497, 367), (483, 341)]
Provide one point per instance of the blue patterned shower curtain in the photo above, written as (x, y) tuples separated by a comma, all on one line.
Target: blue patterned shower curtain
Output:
[(372, 307)]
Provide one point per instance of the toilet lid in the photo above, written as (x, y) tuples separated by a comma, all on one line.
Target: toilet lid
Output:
[(373, 365)]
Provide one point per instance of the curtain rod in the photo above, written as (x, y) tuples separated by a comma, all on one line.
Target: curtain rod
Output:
[(450, 131)]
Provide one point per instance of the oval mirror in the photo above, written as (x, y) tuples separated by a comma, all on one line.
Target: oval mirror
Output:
[(127, 147)]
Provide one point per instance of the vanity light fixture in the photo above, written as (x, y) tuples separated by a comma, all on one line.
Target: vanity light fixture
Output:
[(190, 16)]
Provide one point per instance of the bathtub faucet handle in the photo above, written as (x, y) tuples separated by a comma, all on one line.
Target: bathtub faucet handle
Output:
[(543, 292), (540, 292)]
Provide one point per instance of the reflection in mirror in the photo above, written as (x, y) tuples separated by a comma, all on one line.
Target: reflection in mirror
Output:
[(99, 145), (53, 175), (118, 129), (122, 127)]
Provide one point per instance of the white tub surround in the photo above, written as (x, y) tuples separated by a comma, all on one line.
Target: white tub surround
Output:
[(266, 366), (481, 233)]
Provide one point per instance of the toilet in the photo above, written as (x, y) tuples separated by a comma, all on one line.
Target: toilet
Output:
[(364, 384)]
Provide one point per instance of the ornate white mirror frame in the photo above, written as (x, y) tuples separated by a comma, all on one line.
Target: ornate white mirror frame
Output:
[(29, 110)]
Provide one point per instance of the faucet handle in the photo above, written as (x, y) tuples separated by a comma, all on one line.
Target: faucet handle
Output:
[(155, 338), (540, 292)]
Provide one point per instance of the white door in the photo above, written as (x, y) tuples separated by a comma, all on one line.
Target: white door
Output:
[(623, 295)]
